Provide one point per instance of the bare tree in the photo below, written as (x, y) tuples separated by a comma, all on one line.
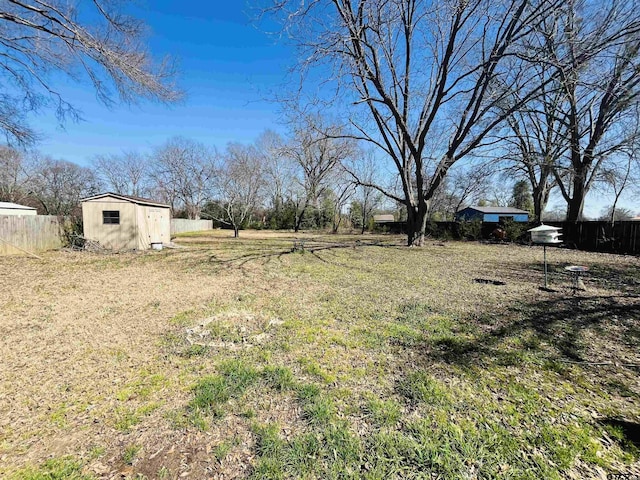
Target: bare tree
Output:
[(617, 177), (463, 186), (364, 175), (59, 185), (593, 49), (615, 214), (318, 150), (183, 172), (419, 72), (14, 174), (536, 138), (83, 41), (239, 185), (295, 195), (277, 167), (341, 190), (127, 173), (284, 180)]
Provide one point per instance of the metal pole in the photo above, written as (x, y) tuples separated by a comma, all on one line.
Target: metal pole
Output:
[(545, 266)]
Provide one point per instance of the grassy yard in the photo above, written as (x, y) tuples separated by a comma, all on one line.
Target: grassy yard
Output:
[(346, 357)]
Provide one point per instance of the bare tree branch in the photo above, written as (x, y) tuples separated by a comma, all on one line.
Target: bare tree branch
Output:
[(40, 39)]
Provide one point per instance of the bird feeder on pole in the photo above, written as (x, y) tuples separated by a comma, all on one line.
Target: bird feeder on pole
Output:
[(545, 235)]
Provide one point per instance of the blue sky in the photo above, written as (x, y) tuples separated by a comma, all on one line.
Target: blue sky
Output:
[(227, 69)]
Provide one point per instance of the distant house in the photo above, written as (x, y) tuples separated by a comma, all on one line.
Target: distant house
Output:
[(7, 208), (492, 214), (385, 218), (123, 222)]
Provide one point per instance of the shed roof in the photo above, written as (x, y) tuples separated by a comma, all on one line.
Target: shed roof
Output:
[(544, 228), (14, 206), (128, 198), (499, 210)]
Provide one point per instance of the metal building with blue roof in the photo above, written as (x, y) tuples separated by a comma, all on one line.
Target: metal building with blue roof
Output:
[(492, 214)]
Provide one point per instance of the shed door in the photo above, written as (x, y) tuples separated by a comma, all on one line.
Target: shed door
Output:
[(155, 218)]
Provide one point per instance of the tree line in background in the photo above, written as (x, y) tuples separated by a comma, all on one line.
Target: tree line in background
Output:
[(295, 184), (433, 104), (314, 178)]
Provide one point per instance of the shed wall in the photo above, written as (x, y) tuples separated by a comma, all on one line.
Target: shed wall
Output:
[(16, 211), (118, 237), (495, 217), (154, 225)]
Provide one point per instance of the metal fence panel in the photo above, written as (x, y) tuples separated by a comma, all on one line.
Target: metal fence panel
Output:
[(182, 225)]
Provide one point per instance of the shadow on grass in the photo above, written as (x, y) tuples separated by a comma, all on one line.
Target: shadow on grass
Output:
[(526, 338), (300, 247), (559, 322), (626, 432), (623, 279)]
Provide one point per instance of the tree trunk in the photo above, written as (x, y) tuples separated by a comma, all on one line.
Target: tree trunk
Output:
[(298, 219), (317, 218), (416, 224), (236, 232), (540, 200), (336, 225), (614, 206), (575, 204)]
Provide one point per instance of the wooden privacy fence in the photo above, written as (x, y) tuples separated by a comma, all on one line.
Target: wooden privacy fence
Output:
[(33, 233), (619, 237), (182, 225)]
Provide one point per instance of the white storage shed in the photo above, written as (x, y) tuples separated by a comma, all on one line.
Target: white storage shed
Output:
[(7, 208), (123, 222)]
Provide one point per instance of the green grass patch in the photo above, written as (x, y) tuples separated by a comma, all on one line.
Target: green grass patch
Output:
[(221, 450), (195, 351), (59, 415), (383, 413), (97, 452), (181, 419), (184, 318), (126, 418), (212, 392), (312, 367), (65, 468), (268, 440), (278, 378), (318, 408), (332, 451), (226, 331), (144, 387), (130, 453), (421, 387)]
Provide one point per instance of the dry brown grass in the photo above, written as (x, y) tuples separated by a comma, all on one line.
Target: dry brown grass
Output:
[(94, 358)]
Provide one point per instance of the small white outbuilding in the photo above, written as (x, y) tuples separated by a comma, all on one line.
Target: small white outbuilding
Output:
[(7, 208), (123, 222)]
